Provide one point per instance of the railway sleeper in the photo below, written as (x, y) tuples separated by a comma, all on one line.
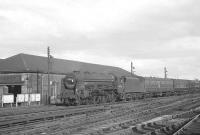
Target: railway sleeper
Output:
[(158, 127), (127, 124), (32, 119)]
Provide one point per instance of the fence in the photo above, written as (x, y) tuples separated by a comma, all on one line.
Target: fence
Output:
[(21, 98), (7, 99)]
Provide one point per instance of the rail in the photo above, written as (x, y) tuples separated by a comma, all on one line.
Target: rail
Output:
[(181, 130)]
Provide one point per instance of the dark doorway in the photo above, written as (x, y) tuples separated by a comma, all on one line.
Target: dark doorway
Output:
[(14, 89)]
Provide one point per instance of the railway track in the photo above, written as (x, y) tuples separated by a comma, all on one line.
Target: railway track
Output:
[(45, 108), (76, 124), (166, 125), (27, 109), (8, 121), (192, 127), (50, 114), (124, 122), (30, 125), (74, 120), (36, 109), (11, 117)]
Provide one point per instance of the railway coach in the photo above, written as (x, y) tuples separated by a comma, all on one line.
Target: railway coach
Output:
[(194, 85), (158, 86), (169, 86), (181, 86)]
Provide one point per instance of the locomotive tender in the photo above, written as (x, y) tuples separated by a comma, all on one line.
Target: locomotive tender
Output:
[(87, 88)]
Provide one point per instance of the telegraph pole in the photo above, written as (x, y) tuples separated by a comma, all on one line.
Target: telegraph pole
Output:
[(132, 67), (48, 70), (165, 72)]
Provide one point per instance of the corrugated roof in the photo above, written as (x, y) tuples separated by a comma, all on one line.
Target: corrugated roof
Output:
[(31, 63)]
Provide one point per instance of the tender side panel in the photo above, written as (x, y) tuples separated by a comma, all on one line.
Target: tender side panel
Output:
[(133, 84)]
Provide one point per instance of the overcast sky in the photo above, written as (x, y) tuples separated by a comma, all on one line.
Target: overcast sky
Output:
[(151, 33)]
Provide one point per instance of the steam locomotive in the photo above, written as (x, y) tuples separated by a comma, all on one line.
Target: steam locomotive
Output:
[(90, 88), (86, 88)]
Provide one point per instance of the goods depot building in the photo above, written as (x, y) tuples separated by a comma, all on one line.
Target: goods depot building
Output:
[(28, 74)]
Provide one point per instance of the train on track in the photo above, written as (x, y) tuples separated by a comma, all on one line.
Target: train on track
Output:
[(89, 88)]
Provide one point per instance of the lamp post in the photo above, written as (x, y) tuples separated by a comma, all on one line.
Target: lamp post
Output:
[(41, 100), (49, 68), (28, 88)]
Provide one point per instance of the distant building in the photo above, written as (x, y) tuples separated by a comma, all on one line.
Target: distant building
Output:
[(24, 73)]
